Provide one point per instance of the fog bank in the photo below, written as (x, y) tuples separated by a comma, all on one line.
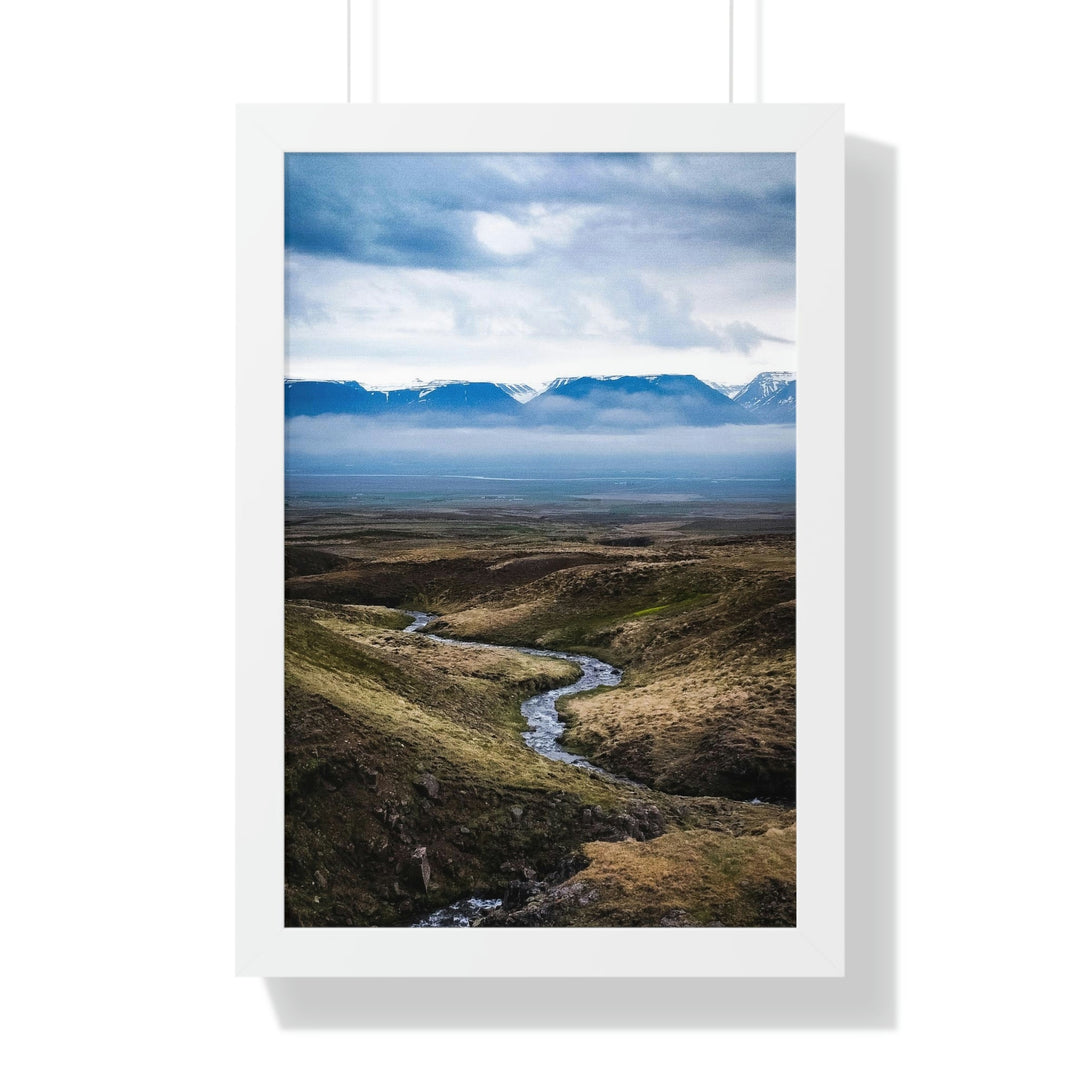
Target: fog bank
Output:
[(323, 443)]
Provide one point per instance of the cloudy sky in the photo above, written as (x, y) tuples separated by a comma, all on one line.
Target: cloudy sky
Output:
[(528, 267)]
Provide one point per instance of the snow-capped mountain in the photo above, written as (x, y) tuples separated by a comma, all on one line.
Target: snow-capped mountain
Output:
[(582, 401), (761, 387), (520, 392), (304, 397), (656, 399), (727, 389), (770, 397), (555, 384), (462, 397), (319, 397), (779, 407)]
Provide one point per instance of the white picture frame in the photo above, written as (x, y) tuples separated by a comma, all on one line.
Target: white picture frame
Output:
[(264, 945)]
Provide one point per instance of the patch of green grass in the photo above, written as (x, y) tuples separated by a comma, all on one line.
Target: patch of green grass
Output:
[(673, 606)]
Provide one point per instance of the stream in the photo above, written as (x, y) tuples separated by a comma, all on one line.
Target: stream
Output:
[(540, 712), (545, 729)]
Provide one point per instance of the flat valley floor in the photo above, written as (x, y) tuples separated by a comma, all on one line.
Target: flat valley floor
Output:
[(408, 785)]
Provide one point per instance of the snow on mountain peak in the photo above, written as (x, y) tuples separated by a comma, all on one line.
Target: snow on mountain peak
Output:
[(520, 392)]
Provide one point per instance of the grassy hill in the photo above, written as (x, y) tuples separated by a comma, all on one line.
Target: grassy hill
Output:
[(408, 785)]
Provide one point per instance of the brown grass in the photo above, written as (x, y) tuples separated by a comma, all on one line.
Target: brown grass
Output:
[(704, 629), (693, 878)]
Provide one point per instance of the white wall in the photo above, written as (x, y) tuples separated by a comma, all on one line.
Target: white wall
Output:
[(117, 264)]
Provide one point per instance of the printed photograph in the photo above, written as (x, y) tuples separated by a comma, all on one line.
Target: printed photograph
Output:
[(539, 550)]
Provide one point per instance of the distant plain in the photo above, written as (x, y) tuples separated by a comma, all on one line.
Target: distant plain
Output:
[(397, 745)]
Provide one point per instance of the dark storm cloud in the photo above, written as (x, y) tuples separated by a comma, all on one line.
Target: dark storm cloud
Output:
[(645, 211)]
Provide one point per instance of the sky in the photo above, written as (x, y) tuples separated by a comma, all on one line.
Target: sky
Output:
[(524, 268)]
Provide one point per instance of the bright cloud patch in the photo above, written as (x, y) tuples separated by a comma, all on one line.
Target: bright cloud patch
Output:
[(501, 235)]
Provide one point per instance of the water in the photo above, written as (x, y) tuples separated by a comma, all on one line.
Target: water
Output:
[(540, 712), (545, 731), (460, 913), (699, 494)]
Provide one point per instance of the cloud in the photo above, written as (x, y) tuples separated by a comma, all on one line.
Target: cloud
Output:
[(302, 309), (368, 303), (538, 224), (667, 319), (432, 258), (358, 443), (501, 235), (610, 411), (424, 209)]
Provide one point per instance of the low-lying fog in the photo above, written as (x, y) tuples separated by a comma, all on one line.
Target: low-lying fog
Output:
[(327, 443)]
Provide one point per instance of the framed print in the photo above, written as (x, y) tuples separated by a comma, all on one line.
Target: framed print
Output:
[(531, 543)]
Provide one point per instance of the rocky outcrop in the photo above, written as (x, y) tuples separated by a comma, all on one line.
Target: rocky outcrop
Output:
[(422, 866)]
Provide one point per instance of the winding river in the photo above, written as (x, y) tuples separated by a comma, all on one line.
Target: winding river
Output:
[(545, 729), (540, 712)]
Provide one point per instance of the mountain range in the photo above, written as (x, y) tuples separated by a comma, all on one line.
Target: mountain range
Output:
[(583, 401), (770, 394)]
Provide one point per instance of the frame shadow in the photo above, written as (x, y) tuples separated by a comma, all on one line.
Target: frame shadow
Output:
[(865, 998)]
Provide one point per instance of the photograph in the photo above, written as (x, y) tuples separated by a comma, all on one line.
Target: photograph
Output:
[(508, 554), (539, 544)]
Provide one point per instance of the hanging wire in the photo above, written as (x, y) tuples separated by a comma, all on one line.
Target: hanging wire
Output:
[(731, 52), (375, 52)]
